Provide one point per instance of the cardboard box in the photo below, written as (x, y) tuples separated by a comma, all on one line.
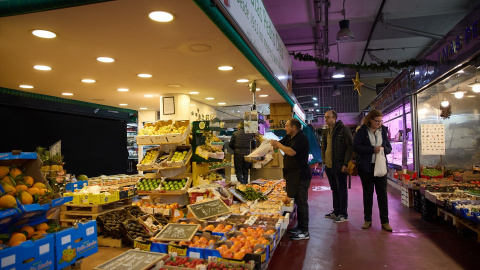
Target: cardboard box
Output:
[(408, 175), (162, 138), (143, 140), (259, 258), (28, 162), (177, 137), (102, 198), (39, 254), (75, 243), (466, 176)]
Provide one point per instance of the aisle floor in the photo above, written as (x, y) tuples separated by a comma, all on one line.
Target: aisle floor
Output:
[(414, 243)]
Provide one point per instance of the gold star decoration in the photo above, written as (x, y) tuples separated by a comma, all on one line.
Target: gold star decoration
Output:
[(357, 85)]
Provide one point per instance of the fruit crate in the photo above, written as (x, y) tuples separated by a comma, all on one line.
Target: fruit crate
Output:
[(149, 159)]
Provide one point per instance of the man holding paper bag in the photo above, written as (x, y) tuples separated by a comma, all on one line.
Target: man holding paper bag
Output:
[(296, 172)]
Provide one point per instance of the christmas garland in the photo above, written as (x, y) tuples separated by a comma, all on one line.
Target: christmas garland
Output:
[(357, 66)]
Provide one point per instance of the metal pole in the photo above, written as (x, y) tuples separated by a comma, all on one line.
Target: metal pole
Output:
[(253, 88)]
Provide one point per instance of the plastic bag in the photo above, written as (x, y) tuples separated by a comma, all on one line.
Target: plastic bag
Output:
[(262, 150), (380, 164)]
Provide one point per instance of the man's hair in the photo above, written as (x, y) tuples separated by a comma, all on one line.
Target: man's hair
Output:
[(296, 123), (367, 120), (334, 114), (241, 124)]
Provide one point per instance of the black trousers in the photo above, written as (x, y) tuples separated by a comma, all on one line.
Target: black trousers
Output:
[(369, 183), (298, 183), (241, 168), (338, 184), (301, 200)]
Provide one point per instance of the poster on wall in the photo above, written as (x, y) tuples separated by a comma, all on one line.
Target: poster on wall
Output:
[(433, 139)]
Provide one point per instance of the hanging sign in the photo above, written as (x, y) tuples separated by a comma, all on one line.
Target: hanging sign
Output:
[(257, 27), (433, 139)]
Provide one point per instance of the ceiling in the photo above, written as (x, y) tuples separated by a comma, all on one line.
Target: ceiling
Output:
[(295, 22), (172, 52)]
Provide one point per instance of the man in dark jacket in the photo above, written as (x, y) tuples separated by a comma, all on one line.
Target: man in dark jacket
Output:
[(241, 144), (336, 153)]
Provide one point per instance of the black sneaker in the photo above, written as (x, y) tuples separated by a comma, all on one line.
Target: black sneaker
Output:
[(295, 230), (340, 219), (331, 215), (300, 236)]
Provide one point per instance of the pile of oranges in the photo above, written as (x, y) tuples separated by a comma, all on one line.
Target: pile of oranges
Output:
[(241, 246), (27, 233), (219, 228), (23, 187), (192, 223), (200, 242)]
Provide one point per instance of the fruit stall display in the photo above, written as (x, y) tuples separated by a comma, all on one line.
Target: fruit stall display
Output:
[(29, 237)]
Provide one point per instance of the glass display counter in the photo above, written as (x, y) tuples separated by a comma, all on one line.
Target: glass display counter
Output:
[(399, 123)]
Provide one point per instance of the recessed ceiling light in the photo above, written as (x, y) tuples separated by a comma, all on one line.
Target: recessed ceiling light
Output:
[(225, 68), (88, 80), (41, 67), (209, 98), (148, 95), (143, 108), (263, 95), (43, 34), (467, 96), (144, 75), (67, 94), (242, 80), (257, 89), (222, 103), (123, 89), (105, 59), (193, 93), (123, 104), (25, 86), (161, 16), (174, 85)]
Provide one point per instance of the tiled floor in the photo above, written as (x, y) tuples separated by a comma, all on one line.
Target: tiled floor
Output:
[(414, 243)]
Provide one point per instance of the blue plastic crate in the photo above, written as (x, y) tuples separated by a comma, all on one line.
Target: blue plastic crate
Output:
[(39, 254)]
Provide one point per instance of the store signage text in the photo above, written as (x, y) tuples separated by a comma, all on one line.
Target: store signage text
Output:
[(394, 92), (471, 33), (252, 17)]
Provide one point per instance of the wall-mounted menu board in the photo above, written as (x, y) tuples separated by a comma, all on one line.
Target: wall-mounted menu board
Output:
[(177, 232), (132, 260), (209, 209)]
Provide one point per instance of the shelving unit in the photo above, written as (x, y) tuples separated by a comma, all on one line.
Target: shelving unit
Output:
[(132, 147)]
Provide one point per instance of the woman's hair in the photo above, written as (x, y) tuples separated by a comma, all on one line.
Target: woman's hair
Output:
[(240, 124), (367, 120)]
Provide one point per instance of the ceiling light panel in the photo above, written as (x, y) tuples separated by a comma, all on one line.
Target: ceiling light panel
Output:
[(105, 59), (43, 34), (161, 16), (42, 67)]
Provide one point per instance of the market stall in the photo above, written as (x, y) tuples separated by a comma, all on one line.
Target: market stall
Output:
[(438, 103)]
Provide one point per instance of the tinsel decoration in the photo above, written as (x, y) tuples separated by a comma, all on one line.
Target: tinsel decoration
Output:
[(446, 112), (357, 66)]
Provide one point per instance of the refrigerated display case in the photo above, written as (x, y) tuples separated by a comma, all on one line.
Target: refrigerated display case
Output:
[(399, 123)]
